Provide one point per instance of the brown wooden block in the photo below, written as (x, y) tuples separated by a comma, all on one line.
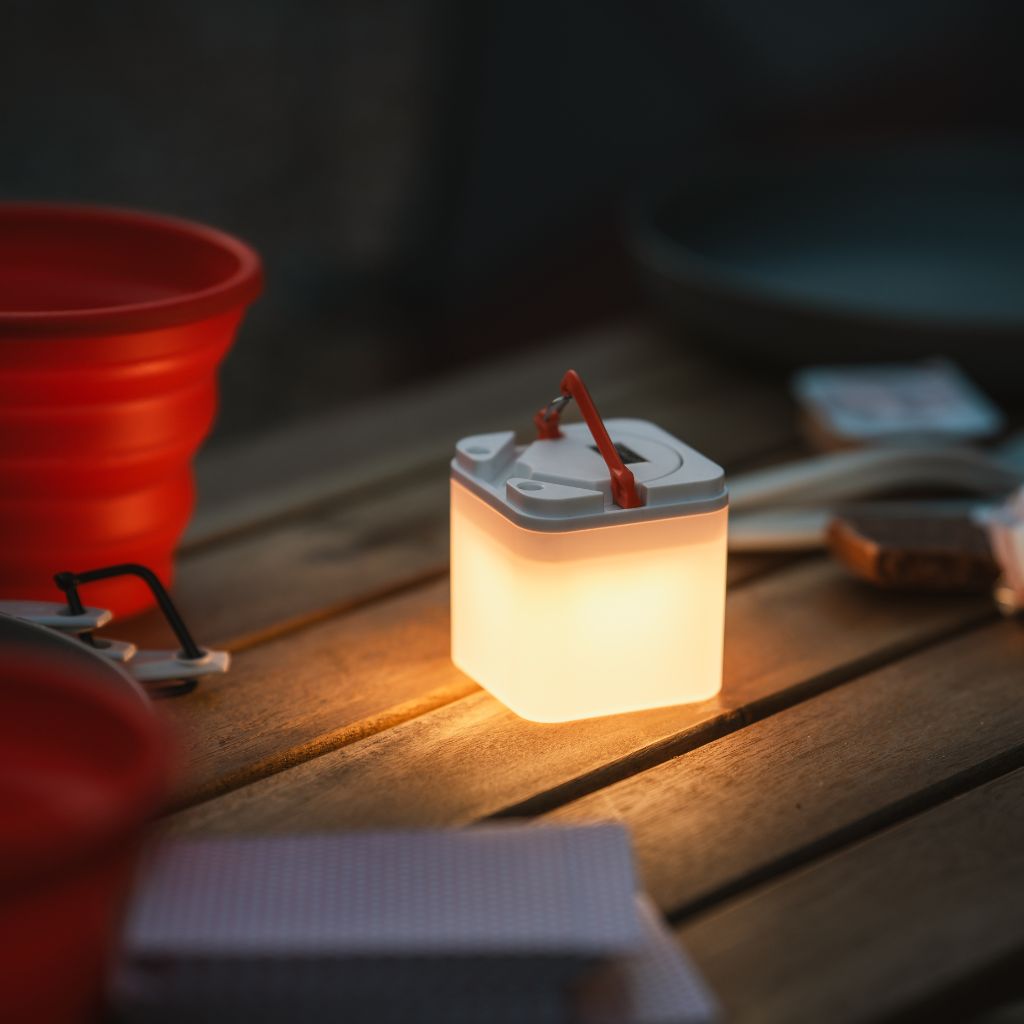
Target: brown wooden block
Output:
[(941, 552)]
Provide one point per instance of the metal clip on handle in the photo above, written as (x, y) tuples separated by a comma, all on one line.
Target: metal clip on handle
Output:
[(624, 491)]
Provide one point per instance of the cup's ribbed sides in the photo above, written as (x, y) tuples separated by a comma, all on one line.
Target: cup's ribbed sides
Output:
[(97, 437)]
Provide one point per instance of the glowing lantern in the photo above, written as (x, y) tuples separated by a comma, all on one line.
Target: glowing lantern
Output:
[(588, 572)]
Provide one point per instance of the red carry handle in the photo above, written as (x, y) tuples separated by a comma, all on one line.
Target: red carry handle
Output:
[(624, 492)]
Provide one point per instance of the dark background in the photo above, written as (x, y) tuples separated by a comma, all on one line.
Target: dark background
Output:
[(430, 180)]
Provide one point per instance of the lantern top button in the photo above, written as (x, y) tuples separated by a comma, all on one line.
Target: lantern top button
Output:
[(563, 483)]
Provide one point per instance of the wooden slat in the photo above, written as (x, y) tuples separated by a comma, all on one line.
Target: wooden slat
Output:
[(810, 778), (880, 926), (787, 636)]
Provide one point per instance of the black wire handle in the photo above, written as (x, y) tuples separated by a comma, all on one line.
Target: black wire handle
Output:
[(69, 583)]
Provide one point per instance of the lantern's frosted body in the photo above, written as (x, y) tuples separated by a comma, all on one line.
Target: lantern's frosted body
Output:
[(592, 621)]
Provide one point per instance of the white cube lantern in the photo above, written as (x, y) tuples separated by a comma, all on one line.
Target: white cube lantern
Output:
[(587, 568)]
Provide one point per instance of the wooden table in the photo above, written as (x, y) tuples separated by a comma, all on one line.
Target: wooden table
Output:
[(838, 836)]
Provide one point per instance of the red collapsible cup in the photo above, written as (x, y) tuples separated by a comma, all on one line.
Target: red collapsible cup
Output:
[(112, 325), (84, 765)]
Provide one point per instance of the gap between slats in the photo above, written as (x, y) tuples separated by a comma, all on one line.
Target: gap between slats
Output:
[(756, 711), (404, 711), (751, 680), (812, 783), (879, 929), (877, 821)]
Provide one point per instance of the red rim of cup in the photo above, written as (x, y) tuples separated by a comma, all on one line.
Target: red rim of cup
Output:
[(236, 289)]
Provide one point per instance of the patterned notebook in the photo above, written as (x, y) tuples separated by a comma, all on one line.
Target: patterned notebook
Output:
[(497, 923)]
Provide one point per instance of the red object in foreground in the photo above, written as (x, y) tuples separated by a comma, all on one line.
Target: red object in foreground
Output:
[(83, 766), (112, 325), (624, 490)]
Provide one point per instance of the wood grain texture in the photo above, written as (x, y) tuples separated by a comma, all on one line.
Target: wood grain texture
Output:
[(342, 679), (293, 697), (881, 925), (788, 635), (813, 777), (256, 586)]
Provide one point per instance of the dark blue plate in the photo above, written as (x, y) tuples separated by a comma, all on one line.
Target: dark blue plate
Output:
[(848, 256)]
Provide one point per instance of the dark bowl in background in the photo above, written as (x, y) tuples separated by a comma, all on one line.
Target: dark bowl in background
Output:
[(852, 256)]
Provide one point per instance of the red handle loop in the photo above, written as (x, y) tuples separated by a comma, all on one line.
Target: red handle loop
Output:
[(624, 492)]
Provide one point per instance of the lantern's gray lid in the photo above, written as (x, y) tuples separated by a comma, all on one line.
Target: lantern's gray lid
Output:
[(564, 484)]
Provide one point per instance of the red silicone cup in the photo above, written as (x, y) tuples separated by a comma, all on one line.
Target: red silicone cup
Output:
[(112, 326), (84, 765)]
